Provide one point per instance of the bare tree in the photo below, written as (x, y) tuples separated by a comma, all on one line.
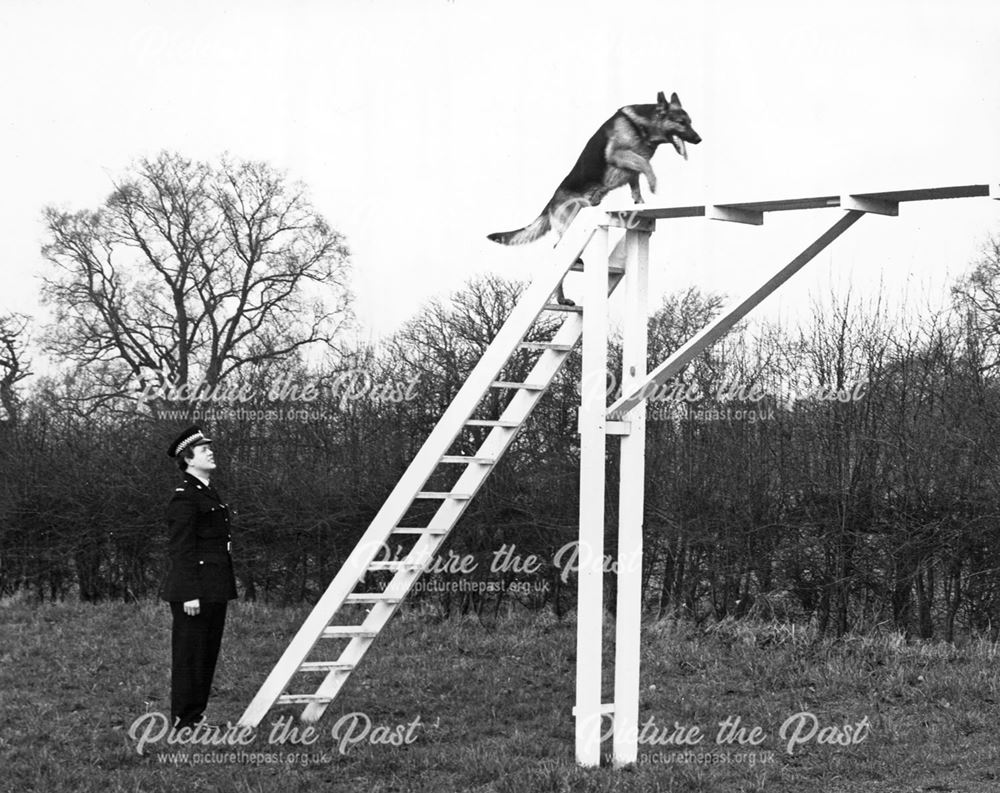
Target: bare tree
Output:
[(13, 364), (190, 272), (977, 299)]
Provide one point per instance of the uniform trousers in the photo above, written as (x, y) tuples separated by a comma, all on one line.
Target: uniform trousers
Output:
[(195, 642)]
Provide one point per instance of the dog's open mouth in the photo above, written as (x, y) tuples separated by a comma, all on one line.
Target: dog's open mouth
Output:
[(679, 145)]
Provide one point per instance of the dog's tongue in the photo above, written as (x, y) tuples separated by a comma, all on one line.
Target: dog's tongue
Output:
[(679, 145)]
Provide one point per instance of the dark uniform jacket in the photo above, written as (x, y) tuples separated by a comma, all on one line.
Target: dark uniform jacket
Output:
[(200, 564)]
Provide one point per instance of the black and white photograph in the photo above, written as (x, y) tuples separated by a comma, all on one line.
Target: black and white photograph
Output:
[(456, 396)]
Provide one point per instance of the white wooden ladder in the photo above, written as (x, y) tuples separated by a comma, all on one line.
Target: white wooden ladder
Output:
[(434, 453)]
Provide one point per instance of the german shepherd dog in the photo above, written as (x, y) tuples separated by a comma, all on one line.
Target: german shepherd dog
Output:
[(616, 154)]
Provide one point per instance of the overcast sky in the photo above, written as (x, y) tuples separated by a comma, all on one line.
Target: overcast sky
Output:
[(422, 126)]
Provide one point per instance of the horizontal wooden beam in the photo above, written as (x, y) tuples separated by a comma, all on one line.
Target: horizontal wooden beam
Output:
[(749, 209)]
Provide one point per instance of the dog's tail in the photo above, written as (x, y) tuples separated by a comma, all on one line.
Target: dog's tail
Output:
[(537, 228)]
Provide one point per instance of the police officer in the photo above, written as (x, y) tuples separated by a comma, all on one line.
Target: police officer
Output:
[(200, 580)]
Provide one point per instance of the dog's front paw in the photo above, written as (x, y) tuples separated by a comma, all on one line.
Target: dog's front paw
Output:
[(565, 301), (638, 199)]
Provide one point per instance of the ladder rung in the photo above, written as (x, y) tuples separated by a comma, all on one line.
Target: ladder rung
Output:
[(492, 423), (399, 565), (439, 494), (418, 530), (325, 666), (372, 597), (577, 267), (301, 699), (525, 386), (546, 345), (561, 307), (348, 631), (457, 458)]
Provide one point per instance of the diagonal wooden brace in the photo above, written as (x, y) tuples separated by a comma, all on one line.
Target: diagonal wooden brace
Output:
[(712, 332)]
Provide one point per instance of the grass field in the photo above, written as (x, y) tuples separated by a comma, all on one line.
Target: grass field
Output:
[(494, 704)]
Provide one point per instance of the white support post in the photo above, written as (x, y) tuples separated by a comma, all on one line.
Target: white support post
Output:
[(590, 594), (630, 505)]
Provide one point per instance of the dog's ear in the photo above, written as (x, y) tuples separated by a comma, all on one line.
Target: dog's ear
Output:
[(674, 100), (661, 99)]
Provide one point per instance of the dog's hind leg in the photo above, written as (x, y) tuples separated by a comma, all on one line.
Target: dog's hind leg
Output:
[(561, 295)]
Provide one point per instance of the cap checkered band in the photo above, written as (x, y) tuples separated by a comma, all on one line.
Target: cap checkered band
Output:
[(196, 438)]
